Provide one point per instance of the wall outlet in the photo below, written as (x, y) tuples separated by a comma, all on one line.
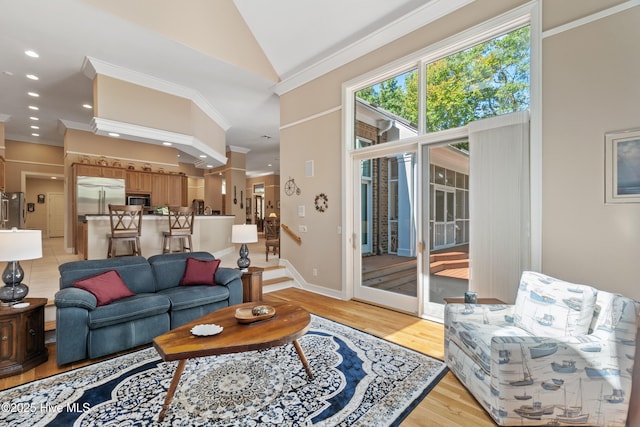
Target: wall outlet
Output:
[(314, 271), (302, 228)]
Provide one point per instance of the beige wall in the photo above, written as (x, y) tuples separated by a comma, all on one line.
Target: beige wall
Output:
[(80, 144), (126, 102), (590, 88), (24, 159), (319, 139)]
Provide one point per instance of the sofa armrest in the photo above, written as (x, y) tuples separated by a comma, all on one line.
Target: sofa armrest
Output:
[(75, 297), (225, 275), (492, 314)]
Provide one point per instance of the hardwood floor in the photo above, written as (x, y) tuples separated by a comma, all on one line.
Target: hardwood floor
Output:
[(448, 404)]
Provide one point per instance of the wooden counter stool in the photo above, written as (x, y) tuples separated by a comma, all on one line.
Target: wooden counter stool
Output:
[(126, 226), (180, 228), (272, 237)]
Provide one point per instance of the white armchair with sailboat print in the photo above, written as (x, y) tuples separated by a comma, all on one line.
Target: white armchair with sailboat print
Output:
[(563, 354)]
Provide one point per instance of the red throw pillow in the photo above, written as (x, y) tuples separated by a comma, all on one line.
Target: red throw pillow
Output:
[(107, 287), (199, 272)]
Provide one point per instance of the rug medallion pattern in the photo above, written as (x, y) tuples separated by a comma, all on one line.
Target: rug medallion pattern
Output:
[(359, 380)]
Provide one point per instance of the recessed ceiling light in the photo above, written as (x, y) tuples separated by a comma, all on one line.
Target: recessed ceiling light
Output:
[(209, 166), (35, 127), (33, 77), (34, 94), (113, 134), (33, 107), (7, 73), (87, 106), (31, 54), (269, 165), (168, 144), (33, 118), (202, 156), (35, 134)]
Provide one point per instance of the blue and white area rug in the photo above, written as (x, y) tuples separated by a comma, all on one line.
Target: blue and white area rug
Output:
[(359, 380)]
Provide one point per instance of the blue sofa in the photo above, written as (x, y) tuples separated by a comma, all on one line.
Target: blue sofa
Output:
[(85, 330)]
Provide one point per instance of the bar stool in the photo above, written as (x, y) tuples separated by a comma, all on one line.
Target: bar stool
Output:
[(272, 236), (180, 228), (126, 226)]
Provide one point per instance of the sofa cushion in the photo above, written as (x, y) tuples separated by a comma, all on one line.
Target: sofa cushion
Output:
[(134, 271), (126, 310), (199, 272), (168, 269), (183, 297), (106, 287), (549, 307)]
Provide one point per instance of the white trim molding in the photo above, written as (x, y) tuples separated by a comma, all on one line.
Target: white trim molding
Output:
[(418, 18), (92, 66), (187, 143), (590, 18)]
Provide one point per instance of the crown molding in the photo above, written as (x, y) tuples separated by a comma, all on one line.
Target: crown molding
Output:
[(186, 143), (236, 149), (92, 66), (402, 26)]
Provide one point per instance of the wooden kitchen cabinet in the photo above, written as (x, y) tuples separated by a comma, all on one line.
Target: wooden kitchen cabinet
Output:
[(22, 337), (169, 190), (160, 190), (139, 182), (177, 190), (1, 174)]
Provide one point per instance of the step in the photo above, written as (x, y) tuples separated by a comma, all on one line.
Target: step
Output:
[(448, 256), (438, 266), (272, 272)]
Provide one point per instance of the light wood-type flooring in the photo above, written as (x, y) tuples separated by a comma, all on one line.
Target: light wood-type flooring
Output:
[(448, 404)]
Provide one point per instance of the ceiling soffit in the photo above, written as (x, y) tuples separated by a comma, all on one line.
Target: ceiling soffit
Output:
[(189, 144)]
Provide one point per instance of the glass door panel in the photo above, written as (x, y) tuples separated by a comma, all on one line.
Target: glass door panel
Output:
[(445, 210), (388, 237)]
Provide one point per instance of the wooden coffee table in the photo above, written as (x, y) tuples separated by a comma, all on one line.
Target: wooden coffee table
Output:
[(288, 324)]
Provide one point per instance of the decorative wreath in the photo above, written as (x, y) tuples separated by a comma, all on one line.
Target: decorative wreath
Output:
[(321, 202)]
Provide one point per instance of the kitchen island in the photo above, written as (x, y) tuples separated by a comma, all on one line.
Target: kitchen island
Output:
[(211, 233)]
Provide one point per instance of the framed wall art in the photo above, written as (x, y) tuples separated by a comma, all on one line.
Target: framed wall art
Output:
[(622, 166)]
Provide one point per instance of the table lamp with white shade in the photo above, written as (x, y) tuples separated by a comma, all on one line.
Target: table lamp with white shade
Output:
[(15, 246), (244, 233)]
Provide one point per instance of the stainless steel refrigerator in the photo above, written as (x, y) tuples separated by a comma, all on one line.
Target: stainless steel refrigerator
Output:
[(93, 194), (16, 210)]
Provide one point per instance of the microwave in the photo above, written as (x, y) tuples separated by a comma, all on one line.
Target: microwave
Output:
[(139, 199)]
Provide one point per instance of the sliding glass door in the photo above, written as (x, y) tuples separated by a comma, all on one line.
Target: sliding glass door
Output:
[(388, 237)]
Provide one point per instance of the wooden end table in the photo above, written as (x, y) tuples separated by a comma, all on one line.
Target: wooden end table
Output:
[(288, 324), (22, 337), (252, 284)]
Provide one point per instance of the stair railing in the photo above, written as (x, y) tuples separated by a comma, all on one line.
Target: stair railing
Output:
[(290, 232)]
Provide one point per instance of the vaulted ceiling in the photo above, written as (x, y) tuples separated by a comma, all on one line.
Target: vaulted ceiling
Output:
[(238, 55)]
